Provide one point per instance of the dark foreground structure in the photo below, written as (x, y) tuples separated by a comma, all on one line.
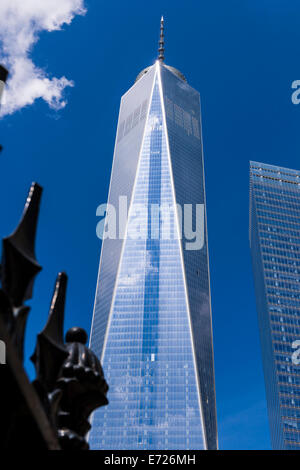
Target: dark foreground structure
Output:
[(53, 411)]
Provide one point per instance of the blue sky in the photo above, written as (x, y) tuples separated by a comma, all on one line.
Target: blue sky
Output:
[(243, 58)]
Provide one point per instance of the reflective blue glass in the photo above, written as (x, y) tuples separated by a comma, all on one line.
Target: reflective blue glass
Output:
[(275, 249), (152, 316), (182, 104)]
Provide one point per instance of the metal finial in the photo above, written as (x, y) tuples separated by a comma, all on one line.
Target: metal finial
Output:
[(19, 264), (3, 77), (3, 73), (161, 49)]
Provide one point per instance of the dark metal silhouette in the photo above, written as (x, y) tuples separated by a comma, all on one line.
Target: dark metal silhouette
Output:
[(50, 351), (70, 380), (83, 387), (161, 49), (3, 77), (52, 412), (19, 268)]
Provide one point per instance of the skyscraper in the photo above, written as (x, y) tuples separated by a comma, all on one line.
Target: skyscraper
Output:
[(152, 315), (275, 249), (3, 77)]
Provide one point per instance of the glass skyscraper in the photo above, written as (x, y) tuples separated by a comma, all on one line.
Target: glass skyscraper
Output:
[(152, 316), (275, 249)]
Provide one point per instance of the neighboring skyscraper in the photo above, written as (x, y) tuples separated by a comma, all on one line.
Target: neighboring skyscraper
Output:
[(152, 316), (275, 249)]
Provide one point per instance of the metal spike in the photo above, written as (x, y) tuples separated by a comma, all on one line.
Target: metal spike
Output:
[(19, 264), (50, 352), (3, 73), (55, 324), (161, 49), (3, 77)]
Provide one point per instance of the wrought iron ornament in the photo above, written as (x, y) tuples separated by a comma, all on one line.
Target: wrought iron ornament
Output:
[(19, 268), (69, 378)]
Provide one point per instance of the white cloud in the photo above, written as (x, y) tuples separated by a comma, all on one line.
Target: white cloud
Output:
[(21, 22)]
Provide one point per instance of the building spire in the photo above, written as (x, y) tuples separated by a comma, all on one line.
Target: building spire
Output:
[(161, 49)]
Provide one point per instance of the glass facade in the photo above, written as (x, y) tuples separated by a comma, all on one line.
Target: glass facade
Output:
[(152, 315), (275, 249)]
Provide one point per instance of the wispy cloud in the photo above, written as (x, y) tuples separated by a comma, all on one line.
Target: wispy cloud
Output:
[(21, 22)]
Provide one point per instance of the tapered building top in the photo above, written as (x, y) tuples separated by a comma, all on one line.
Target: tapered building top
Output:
[(161, 56)]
